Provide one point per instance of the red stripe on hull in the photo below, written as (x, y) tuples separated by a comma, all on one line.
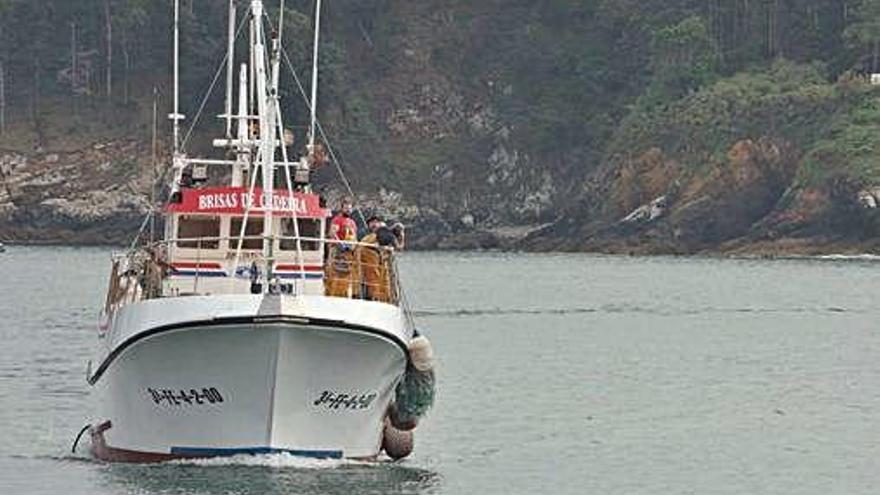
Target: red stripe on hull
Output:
[(212, 266), (100, 449), (110, 454)]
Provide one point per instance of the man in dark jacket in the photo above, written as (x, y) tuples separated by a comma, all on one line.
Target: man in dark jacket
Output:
[(384, 236)]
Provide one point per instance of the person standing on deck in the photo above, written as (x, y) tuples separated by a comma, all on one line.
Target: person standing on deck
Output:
[(380, 234), (374, 255), (343, 226), (342, 276)]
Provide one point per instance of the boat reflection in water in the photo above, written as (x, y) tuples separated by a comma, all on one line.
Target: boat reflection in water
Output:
[(272, 475)]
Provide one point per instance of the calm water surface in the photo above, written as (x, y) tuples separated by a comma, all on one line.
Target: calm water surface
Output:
[(558, 374)]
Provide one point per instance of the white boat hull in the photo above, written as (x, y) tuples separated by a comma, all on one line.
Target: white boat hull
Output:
[(249, 383)]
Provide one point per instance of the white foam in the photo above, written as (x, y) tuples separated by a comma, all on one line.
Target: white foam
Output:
[(280, 460)]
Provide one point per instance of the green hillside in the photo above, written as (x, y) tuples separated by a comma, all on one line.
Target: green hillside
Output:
[(754, 120)]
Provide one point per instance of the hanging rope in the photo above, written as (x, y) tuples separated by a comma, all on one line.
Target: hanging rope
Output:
[(141, 230)]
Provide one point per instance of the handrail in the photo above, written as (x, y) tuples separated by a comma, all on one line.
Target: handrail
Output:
[(332, 242), (142, 273)]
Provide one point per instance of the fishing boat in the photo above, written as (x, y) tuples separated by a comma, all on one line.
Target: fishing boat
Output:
[(230, 335)]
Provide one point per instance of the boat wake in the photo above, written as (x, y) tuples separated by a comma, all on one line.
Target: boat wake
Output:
[(621, 309), (268, 474), (276, 461), (506, 311), (849, 257)]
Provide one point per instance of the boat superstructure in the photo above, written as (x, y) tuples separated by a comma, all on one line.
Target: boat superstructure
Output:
[(225, 337)]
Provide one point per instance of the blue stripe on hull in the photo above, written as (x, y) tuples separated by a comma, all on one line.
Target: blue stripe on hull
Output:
[(227, 452)]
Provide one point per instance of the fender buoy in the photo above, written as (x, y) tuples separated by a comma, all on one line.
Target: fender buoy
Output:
[(397, 443), (421, 354), (399, 423), (414, 394)]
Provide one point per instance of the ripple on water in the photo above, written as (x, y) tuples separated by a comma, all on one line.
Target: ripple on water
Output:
[(559, 374), (621, 309)]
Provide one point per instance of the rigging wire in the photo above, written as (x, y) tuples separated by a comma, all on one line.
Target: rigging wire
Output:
[(152, 210), (258, 157), (333, 158), (141, 230), (404, 300), (278, 127), (210, 91)]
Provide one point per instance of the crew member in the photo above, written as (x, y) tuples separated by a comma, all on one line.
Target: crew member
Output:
[(374, 254), (342, 226), (380, 233), (342, 271)]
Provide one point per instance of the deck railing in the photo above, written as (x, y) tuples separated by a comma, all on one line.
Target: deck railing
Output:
[(349, 269)]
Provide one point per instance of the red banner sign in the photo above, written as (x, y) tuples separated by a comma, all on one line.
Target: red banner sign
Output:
[(235, 200)]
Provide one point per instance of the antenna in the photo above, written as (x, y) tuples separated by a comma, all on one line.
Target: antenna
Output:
[(230, 68), (315, 77), (280, 21), (276, 52), (178, 160), (242, 160), (176, 116)]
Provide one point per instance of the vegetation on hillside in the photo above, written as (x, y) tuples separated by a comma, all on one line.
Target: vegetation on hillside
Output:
[(479, 108)]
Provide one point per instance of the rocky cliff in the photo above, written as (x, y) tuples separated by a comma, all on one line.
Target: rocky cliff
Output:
[(562, 125), (94, 195), (776, 163)]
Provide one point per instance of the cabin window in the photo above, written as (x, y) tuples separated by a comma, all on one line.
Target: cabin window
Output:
[(307, 228), (253, 234), (196, 232)]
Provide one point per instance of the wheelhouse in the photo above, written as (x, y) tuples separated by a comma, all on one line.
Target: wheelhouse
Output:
[(216, 243)]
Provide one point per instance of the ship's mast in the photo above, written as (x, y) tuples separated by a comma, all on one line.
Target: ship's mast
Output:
[(259, 132), (314, 103), (178, 160), (265, 111), (176, 115), (242, 156), (230, 68)]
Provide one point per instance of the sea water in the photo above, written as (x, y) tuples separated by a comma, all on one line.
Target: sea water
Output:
[(557, 374)]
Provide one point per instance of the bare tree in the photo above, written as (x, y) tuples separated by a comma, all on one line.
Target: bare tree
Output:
[(773, 29), (73, 61), (865, 31), (36, 103), (126, 57), (2, 99), (109, 30)]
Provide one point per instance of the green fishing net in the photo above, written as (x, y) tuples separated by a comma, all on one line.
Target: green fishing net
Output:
[(415, 394)]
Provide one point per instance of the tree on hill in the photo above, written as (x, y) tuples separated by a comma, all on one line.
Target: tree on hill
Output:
[(864, 31)]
